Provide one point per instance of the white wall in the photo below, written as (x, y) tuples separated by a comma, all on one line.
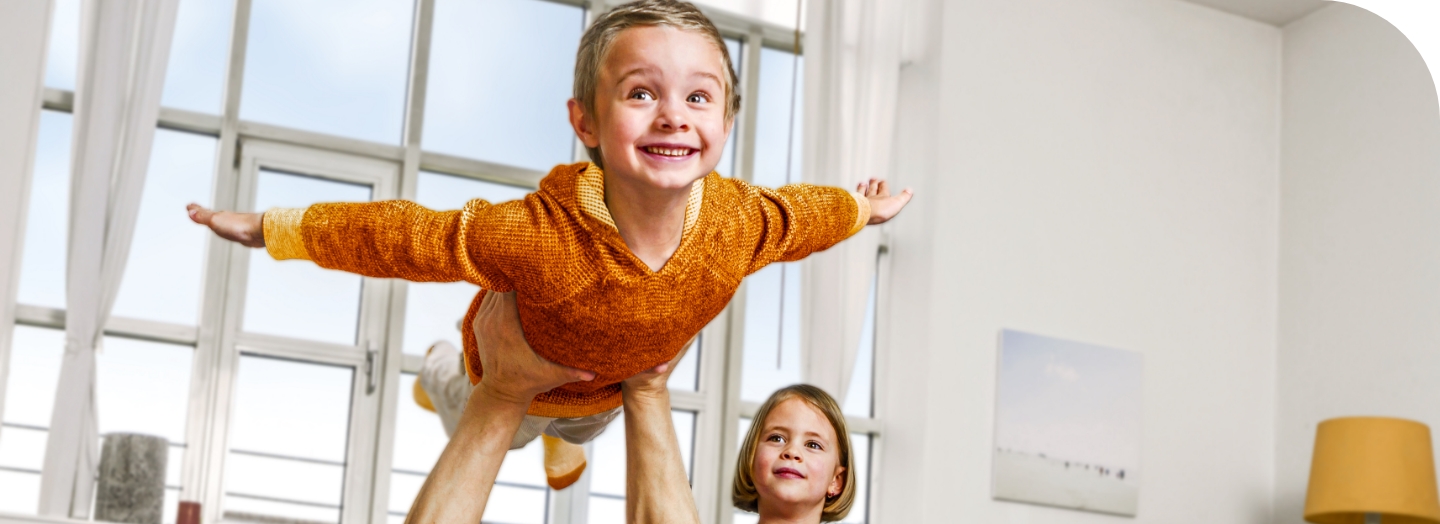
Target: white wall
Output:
[(1360, 235), (1101, 170)]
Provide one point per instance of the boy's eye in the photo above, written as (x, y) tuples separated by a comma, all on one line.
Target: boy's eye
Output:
[(698, 98), (641, 95)]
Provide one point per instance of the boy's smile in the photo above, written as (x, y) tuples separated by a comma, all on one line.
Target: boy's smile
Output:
[(659, 115)]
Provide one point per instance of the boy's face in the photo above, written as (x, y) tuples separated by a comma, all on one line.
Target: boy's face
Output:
[(659, 116)]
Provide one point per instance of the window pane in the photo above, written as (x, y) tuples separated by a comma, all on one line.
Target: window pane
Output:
[(199, 56), (167, 255), (859, 510), (500, 73), (34, 373), (22, 492), (64, 48), (42, 266), (727, 160), (607, 465), (332, 66), (143, 387), (35, 355), (774, 141), (686, 376), (296, 298), (288, 439), (772, 331), (434, 310), (419, 439), (772, 303), (858, 399)]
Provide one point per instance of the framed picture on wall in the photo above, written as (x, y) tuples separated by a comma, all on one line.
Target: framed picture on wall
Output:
[(1067, 424)]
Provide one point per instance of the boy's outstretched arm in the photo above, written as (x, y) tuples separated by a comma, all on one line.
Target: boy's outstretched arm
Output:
[(387, 239), (883, 205)]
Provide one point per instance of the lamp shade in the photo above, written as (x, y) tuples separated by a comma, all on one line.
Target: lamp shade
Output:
[(1372, 465)]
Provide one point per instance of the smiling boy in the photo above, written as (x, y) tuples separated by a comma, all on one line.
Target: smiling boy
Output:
[(616, 263)]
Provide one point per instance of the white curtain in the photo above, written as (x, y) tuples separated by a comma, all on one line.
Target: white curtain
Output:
[(124, 47), (852, 69)]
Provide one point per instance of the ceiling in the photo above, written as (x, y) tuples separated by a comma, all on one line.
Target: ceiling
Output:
[(1274, 12)]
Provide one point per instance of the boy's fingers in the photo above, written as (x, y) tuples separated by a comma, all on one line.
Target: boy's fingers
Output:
[(199, 214), (882, 189)]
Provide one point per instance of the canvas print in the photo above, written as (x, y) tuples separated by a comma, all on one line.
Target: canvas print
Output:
[(1067, 428)]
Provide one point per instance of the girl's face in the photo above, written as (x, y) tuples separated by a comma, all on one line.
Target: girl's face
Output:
[(797, 461)]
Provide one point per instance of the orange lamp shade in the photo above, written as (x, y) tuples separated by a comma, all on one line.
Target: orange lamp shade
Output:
[(1373, 465)]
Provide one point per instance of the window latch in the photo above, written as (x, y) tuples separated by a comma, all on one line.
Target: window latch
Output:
[(372, 376)]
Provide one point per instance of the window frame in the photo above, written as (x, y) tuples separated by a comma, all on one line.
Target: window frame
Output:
[(393, 171)]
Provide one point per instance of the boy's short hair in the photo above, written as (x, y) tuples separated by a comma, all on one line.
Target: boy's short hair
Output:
[(595, 45), (744, 494)]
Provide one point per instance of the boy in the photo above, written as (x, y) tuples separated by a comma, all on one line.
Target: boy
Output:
[(616, 264)]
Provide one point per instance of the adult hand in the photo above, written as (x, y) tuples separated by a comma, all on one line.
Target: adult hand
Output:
[(512, 370), (654, 380)]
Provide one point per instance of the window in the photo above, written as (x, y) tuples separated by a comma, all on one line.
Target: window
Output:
[(272, 472), (143, 387), (485, 101), (42, 265), (34, 373), (167, 254), (284, 389), (330, 66), (299, 299)]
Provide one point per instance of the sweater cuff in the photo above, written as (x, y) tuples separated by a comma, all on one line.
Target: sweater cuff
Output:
[(283, 239), (862, 213)]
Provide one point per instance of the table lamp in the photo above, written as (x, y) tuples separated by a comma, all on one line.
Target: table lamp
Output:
[(1368, 470)]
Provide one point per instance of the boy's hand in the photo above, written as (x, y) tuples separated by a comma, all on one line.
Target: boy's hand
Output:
[(883, 206), (235, 227), (655, 379)]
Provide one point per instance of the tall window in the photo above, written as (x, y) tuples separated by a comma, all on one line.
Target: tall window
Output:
[(283, 389)]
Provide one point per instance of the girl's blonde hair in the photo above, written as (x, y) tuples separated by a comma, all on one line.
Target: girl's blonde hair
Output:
[(595, 45), (745, 495)]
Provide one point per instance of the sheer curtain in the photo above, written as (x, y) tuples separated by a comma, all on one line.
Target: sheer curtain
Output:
[(852, 68), (124, 49)]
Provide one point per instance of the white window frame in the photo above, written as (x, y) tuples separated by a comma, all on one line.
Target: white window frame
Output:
[(392, 171)]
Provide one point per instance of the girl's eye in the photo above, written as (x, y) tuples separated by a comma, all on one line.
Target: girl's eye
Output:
[(813, 445), (641, 95), (775, 438), (698, 98)]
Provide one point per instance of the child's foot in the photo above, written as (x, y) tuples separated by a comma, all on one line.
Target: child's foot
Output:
[(421, 398), (564, 462)]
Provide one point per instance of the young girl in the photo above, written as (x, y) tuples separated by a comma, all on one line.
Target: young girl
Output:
[(795, 464)]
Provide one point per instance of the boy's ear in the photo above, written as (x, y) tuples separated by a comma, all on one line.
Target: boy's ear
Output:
[(584, 126)]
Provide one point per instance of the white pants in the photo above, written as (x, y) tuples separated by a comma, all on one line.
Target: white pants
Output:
[(444, 379)]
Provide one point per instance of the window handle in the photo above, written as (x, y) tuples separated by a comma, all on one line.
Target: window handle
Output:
[(372, 377)]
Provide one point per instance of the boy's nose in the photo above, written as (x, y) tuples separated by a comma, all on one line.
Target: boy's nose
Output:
[(672, 118)]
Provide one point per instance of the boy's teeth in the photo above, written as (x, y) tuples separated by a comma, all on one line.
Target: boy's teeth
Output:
[(668, 151)]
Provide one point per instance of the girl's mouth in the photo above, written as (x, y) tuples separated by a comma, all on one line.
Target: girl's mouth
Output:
[(789, 473)]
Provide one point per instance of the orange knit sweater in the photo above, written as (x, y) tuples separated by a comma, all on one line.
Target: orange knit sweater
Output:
[(585, 300)]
